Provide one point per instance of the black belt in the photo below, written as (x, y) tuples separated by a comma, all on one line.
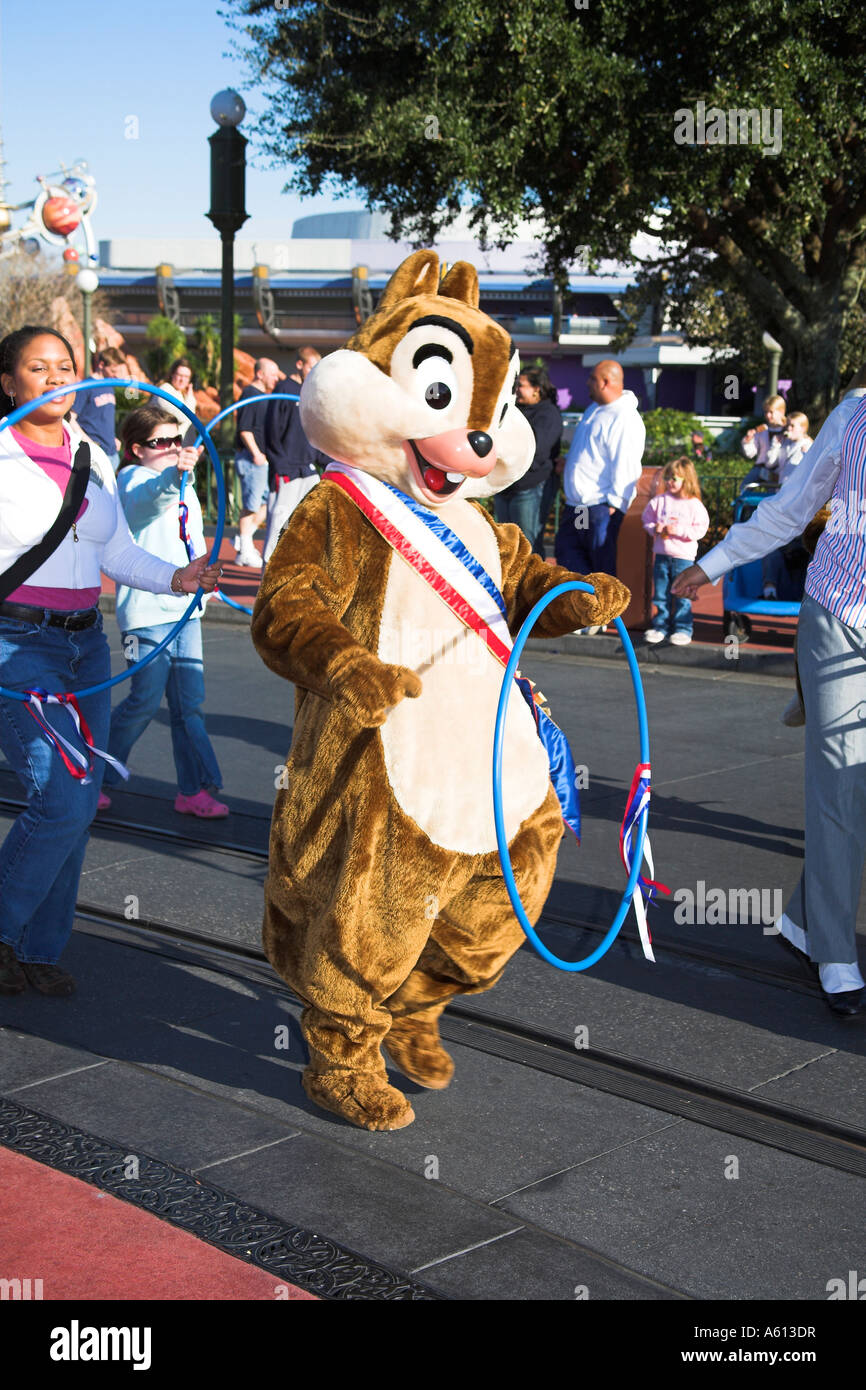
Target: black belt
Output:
[(73, 622)]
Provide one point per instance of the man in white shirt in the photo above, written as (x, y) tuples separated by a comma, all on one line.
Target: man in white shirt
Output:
[(601, 474), (820, 918)]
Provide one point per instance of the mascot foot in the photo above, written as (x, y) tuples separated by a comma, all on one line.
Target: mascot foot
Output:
[(364, 1100), (415, 1047)]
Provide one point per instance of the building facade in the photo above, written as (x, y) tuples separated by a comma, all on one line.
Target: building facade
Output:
[(311, 288)]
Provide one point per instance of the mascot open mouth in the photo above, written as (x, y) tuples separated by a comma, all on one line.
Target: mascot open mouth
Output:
[(433, 479)]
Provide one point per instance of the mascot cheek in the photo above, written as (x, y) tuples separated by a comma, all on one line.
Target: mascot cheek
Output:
[(515, 449), (353, 412)]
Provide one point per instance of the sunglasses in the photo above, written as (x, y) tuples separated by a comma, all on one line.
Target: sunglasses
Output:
[(174, 441)]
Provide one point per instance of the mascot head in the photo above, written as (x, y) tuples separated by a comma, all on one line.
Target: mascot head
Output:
[(422, 397)]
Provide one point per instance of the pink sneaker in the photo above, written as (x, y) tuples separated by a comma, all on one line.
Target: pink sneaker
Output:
[(104, 802), (202, 804)]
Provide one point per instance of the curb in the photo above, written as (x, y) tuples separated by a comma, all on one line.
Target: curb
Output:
[(698, 656)]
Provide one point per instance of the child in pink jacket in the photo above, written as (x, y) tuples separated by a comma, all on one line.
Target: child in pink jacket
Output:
[(676, 518)]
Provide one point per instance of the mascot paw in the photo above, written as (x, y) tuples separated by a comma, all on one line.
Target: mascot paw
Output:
[(368, 688), (363, 1099), (416, 1049), (609, 600)]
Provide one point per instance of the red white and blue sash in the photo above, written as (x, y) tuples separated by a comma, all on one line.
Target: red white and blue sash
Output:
[(439, 556)]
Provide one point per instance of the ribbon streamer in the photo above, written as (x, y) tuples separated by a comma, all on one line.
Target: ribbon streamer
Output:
[(645, 889), (79, 765)]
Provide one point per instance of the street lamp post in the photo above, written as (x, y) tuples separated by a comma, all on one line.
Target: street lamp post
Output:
[(227, 213), (775, 351), (88, 282)]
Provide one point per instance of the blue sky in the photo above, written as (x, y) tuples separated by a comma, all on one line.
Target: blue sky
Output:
[(71, 76)]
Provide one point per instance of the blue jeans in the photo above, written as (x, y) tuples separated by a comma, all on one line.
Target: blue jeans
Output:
[(672, 614), (523, 509), (178, 674), (586, 539), (254, 482), (41, 857)]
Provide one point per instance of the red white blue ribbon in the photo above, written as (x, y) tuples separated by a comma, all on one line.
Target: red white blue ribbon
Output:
[(77, 763), (645, 888)]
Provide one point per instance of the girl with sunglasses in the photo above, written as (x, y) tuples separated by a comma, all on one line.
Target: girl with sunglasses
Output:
[(51, 637), (148, 481)]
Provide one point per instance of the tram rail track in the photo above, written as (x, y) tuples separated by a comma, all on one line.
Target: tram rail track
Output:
[(741, 1113), (694, 952), (727, 1109)]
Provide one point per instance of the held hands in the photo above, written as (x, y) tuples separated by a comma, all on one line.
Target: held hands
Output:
[(195, 576), (368, 688), (186, 460), (687, 584)]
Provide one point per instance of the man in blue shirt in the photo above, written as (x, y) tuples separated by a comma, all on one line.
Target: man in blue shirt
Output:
[(93, 411)]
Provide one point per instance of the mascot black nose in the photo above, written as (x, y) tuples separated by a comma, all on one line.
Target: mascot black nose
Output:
[(481, 442)]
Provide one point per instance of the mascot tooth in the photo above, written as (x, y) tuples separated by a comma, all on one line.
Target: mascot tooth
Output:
[(384, 895)]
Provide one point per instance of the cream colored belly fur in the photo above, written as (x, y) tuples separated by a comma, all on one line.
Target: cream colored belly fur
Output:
[(439, 748)]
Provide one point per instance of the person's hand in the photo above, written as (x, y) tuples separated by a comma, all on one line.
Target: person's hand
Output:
[(186, 460), (611, 510), (661, 528), (197, 575), (686, 585), (748, 436)]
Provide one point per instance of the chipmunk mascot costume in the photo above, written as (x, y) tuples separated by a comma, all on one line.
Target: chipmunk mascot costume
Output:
[(388, 602)]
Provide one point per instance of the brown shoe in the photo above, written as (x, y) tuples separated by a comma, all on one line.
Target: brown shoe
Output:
[(414, 1045), (48, 979), (12, 980)]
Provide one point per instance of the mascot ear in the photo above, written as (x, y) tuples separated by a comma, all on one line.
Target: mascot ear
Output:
[(418, 274), (461, 282)]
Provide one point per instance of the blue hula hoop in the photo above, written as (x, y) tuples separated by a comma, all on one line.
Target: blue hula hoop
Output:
[(236, 405), (22, 411), (498, 737)]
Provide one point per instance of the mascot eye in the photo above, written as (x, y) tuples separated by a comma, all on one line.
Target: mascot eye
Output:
[(435, 379), (438, 395)]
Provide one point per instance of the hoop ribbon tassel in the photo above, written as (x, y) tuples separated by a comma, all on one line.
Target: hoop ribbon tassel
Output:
[(645, 888), (78, 764)]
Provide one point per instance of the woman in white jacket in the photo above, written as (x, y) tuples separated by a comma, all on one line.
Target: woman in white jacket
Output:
[(51, 638)]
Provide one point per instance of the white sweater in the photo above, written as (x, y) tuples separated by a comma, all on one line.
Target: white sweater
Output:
[(29, 502), (150, 501), (604, 461)]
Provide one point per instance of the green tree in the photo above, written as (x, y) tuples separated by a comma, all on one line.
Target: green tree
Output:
[(165, 342), (570, 114)]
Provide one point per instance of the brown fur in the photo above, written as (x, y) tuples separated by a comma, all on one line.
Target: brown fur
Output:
[(350, 876), (418, 277), (348, 921)]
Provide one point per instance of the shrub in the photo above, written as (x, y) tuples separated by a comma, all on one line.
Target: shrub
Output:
[(668, 433)]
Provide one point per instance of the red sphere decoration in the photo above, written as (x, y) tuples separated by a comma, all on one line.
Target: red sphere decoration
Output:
[(61, 216), (70, 254)]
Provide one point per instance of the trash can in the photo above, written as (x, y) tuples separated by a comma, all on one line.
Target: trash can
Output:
[(634, 554)]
